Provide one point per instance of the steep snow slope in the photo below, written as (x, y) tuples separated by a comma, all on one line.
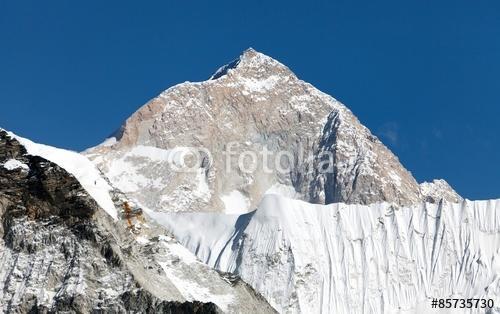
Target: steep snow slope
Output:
[(352, 258), (251, 105), (79, 166)]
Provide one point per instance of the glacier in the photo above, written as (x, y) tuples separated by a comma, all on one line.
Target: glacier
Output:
[(341, 258)]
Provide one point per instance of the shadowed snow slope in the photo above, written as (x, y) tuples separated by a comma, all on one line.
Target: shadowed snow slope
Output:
[(352, 258)]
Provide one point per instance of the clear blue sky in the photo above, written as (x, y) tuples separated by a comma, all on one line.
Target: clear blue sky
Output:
[(422, 75)]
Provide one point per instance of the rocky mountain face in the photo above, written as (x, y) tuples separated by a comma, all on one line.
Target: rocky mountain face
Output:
[(251, 105), (60, 252)]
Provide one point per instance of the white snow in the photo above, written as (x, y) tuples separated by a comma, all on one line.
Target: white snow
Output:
[(151, 152), (142, 240), (351, 258), (202, 190), (13, 164), (252, 85), (108, 142), (283, 190), (190, 286), (192, 291), (80, 167), (438, 189), (235, 202), (217, 228), (184, 254), (127, 170), (175, 155)]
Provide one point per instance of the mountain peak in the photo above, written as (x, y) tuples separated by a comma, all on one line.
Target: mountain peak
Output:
[(250, 52), (260, 104), (255, 57), (251, 59)]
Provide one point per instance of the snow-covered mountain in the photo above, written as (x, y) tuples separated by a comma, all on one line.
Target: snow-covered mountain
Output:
[(66, 247), (252, 104), (167, 216)]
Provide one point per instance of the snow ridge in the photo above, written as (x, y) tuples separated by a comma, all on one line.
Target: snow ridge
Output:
[(79, 166)]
